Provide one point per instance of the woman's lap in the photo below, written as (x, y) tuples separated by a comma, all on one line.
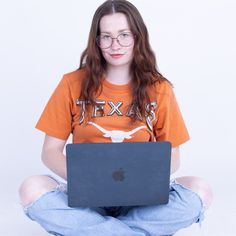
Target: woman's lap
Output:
[(51, 211)]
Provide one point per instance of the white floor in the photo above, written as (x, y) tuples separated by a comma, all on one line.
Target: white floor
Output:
[(219, 220)]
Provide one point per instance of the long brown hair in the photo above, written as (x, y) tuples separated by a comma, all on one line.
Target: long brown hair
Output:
[(143, 67)]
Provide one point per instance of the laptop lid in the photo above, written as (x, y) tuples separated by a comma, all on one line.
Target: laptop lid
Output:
[(118, 174)]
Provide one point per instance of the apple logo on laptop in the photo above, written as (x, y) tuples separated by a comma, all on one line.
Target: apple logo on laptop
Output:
[(118, 175)]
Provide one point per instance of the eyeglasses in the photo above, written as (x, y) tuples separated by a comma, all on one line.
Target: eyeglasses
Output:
[(124, 39)]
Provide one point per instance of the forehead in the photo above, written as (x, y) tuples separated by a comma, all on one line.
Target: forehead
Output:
[(114, 23)]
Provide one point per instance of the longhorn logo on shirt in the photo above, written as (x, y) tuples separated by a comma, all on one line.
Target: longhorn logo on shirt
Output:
[(117, 136)]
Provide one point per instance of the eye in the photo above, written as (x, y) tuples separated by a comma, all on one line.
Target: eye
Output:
[(124, 35), (105, 37)]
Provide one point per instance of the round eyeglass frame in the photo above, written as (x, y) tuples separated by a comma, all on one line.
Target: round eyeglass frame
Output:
[(114, 38)]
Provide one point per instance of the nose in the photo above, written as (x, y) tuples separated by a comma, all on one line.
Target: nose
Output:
[(115, 45)]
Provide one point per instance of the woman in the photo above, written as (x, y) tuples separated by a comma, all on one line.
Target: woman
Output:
[(117, 87)]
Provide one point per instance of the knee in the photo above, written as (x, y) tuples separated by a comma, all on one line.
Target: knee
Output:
[(199, 186), (33, 187)]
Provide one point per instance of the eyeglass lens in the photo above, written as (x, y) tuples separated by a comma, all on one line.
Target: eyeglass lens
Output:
[(124, 39)]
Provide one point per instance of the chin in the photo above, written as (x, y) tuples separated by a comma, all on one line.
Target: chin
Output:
[(119, 63)]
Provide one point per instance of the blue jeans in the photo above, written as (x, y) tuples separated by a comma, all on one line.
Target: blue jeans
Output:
[(53, 214)]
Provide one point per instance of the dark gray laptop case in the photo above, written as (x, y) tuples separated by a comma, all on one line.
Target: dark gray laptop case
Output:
[(118, 174)]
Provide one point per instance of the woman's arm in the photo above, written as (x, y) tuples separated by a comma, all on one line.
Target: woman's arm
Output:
[(53, 157), (175, 160)]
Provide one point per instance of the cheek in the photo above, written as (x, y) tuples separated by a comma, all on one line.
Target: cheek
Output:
[(130, 52), (105, 53)]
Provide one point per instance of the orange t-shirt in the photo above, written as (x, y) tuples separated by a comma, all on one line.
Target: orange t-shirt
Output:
[(109, 120)]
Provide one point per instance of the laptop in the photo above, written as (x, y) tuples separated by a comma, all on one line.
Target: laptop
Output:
[(118, 174)]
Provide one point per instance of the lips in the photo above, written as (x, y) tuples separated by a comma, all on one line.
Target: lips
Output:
[(116, 55)]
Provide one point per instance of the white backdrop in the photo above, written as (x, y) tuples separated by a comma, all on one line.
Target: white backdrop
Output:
[(195, 47)]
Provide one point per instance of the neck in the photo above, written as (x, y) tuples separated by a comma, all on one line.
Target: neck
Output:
[(117, 75)]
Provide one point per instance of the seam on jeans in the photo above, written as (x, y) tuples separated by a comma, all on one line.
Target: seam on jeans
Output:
[(139, 229)]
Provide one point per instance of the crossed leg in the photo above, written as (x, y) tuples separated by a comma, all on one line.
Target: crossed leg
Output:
[(189, 197), (48, 206), (199, 186), (45, 203)]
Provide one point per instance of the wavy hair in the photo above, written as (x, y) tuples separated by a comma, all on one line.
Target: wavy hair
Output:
[(144, 70)]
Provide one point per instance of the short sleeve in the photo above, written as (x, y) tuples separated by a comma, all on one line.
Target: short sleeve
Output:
[(169, 125), (56, 118)]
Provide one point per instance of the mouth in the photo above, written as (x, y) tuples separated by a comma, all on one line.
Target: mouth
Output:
[(116, 56)]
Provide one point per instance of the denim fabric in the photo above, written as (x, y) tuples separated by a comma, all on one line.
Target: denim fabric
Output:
[(52, 212)]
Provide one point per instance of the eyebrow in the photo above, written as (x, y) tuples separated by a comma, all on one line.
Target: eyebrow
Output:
[(120, 31)]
